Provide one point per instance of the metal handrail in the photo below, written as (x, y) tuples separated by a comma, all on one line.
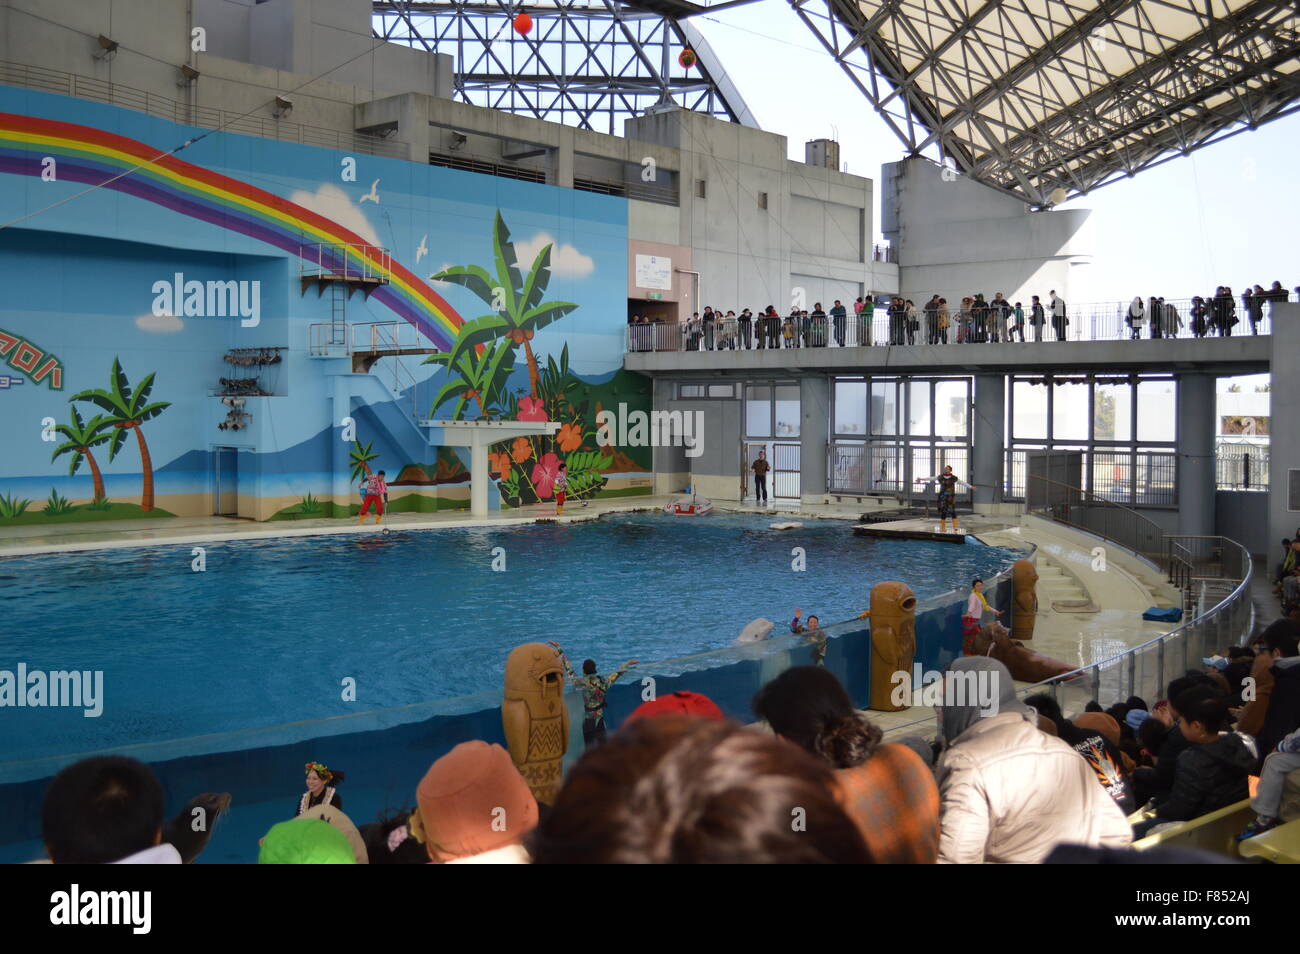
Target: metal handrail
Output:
[(1183, 632), (1176, 565), (267, 127), (1237, 593)]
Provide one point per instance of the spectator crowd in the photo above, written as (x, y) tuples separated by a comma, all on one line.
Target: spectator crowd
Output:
[(813, 781), (871, 321)]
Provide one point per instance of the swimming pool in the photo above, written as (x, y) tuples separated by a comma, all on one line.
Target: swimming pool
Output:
[(271, 631)]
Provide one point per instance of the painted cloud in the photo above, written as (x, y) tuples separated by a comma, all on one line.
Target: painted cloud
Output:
[(159, 324), (333, 203), (565, 259)]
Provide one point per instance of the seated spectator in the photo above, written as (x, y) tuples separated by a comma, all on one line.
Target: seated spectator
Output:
[(1278, 642), (682, 703), (1267, 801), (389, 842), (681, 790), (1212, 772), (887, 790), (305, 841), (1151, 735), (1283, 715), (105, 810), (1291, 592), (475, 808), (1098, 749), (1117, 734), (1157, 782), (1240, 661), (1010, 793)]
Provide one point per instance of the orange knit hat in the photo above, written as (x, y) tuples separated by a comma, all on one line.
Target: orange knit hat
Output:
[(473, 800)]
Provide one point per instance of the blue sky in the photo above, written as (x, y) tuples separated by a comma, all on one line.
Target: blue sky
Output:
[(1227, 214)]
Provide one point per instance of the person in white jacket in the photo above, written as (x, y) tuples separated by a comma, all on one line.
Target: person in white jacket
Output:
[(1137, 317), (1010, 793)]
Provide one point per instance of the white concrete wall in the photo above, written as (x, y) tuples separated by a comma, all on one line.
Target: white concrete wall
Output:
[(814, 234), (957, 237)]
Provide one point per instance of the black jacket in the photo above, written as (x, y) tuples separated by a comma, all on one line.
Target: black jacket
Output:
[(1283, 715), (1210, 776)]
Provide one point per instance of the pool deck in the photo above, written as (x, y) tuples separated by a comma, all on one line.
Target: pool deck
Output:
[(176, 531)]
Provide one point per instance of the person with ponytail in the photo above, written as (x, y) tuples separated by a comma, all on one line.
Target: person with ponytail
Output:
[(888, 790)]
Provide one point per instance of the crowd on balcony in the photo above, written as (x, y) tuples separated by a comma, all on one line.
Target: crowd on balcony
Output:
[(680, 783), (974, 319), (1207, 316)]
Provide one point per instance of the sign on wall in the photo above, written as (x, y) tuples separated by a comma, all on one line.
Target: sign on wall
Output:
[(654, 271)]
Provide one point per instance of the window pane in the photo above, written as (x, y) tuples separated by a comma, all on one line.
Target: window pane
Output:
[(850, 407), (1029, 402), (884, 407), (690, 390), (787, 410), (1112, 418), (1157, 411), (922, 464), (1069, 412), (722, 390), (951, 408), (758, 412), (918, 410)]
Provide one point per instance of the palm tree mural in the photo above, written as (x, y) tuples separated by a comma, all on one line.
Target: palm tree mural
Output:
[(482, 377), (127, 410), (81, 437), (519, 309), (361, 458)]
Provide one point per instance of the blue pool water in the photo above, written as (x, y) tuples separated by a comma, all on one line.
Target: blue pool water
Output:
[(270, 631)]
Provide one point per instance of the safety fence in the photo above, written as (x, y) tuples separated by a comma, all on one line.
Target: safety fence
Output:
[(191, 114), (1083, 510), (1121, 476), (1096, 321), (892, 469)]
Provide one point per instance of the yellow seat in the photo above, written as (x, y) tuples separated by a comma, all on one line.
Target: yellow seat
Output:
[(1281, 845), (1216, 832)]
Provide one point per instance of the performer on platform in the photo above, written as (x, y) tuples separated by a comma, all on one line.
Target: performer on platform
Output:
[(947, 498)]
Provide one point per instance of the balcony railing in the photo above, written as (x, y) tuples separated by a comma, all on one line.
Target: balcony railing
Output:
[(187, 114), (1099, 321)]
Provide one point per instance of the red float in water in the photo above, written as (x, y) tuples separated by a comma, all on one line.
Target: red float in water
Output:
[(686, 58), (523, 23)]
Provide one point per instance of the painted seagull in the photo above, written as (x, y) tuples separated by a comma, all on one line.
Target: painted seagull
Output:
[(422, 250), (373, 194)]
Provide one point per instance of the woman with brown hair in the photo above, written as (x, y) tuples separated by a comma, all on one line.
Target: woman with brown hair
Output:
[(888, 790), (686, 790)]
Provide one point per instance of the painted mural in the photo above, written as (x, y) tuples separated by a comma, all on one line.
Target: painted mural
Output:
[(185, 274)]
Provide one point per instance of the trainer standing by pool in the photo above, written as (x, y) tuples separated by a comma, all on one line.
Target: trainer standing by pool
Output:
[(977, 607), (760, 467), (593, 688), (377, 494), (947, 499)]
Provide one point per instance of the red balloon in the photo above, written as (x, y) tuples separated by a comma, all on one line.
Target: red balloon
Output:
[(686, 58), (523, 23)]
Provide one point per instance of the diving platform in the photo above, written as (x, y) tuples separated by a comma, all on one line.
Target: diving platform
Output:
[(478, 436)]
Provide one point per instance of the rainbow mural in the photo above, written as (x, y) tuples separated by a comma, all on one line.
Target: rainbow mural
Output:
[(93, 156)]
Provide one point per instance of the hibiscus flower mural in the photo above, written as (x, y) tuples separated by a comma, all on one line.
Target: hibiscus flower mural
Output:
[(482, 359)]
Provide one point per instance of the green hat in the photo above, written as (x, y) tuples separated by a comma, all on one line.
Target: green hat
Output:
[(305, 841)]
